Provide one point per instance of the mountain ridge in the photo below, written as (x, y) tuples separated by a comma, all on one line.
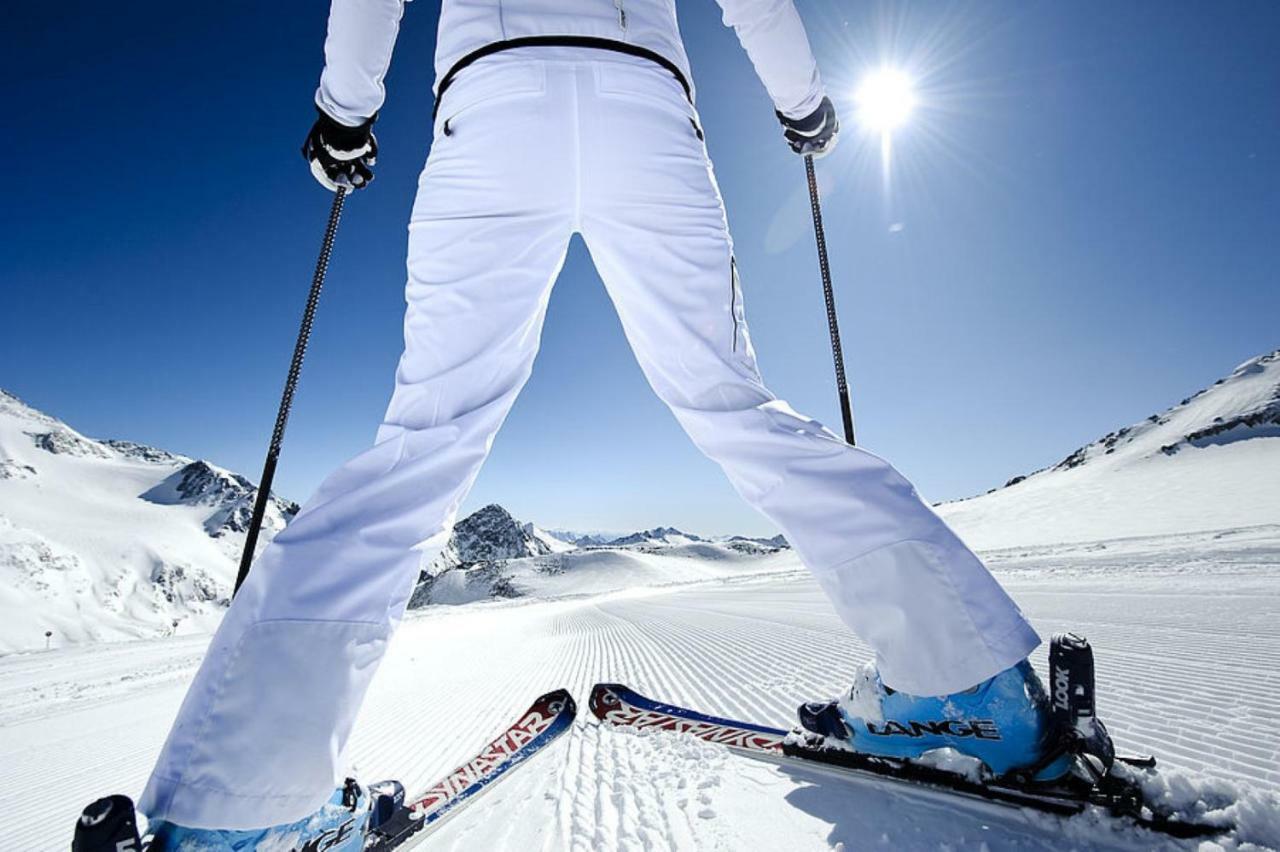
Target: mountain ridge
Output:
[(107, 539), (1210, 461), (113, 539)]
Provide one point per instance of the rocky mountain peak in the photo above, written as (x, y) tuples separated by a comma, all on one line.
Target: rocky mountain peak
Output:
[(62, 441), (230, 495), (490, 534), (200, 483), (144, 453)]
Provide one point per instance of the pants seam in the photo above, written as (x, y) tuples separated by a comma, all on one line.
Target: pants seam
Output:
[(577, 149)]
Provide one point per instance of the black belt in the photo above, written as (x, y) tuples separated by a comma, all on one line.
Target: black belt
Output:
[(561, 41)]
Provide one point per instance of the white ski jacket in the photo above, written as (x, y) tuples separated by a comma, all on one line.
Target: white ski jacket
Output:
[(362, 34)]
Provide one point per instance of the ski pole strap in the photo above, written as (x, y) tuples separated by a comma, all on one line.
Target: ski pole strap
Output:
[(593, 42)]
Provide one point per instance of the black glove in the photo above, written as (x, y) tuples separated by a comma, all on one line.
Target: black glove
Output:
[(815, 133), (341, 155)]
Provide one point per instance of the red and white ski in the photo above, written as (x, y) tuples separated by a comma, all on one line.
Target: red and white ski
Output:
[(403, 823)]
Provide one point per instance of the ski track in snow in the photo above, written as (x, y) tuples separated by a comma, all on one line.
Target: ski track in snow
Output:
[(1184, 627)]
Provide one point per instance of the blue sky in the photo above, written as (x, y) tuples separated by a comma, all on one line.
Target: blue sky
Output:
[(1088, 201)]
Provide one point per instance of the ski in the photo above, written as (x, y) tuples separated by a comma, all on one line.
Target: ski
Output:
[(621, 705), (408, 822), (110, 823)]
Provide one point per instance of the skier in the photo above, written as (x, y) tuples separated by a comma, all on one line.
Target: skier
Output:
[(556, 117)]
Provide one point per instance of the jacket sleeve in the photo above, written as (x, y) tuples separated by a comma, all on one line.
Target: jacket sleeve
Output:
[(774, 38), (357, 52)]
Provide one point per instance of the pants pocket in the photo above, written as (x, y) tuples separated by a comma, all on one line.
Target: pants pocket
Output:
[(488, 85), (652, 88)]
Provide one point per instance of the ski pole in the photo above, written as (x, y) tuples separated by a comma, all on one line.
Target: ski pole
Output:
[(290, 385), (842, 386)]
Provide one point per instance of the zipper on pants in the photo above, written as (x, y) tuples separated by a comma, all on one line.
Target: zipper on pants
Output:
[(733, 299)]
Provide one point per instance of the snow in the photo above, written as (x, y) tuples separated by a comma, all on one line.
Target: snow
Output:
[(553, 543), (1188, 653), (597, 570), (108, 540), (862, 701), (584, 539), (1160, 542), (657, 535), (1211, 462)]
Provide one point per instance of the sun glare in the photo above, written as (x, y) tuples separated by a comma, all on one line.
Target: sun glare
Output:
[(885, 100)]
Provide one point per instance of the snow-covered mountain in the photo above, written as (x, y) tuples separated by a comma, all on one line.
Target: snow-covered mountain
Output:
[(480, 542), (779, 540), (553, 543), (657, 535), (106, 539), (493, 555), (489, 535), (112, 539), (1210, 462), (593, 570), (582, 539)]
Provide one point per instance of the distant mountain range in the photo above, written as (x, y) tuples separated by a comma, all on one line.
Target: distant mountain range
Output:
[(110, 539), (581, 539), (656, 536), (476, 562)]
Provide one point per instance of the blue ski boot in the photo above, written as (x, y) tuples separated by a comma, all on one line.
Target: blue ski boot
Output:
[(1005, 722), (339, 826)]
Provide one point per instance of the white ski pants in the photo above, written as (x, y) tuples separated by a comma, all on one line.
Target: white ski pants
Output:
[(539, 147)]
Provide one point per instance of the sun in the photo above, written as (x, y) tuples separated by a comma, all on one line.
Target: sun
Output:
[(885, 100)]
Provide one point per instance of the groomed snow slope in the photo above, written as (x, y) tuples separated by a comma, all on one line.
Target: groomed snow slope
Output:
[(1188, 666), (1103, 543), (1211, 462)]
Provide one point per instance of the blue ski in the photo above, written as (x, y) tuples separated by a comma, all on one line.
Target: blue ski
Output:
[(620, 705)]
